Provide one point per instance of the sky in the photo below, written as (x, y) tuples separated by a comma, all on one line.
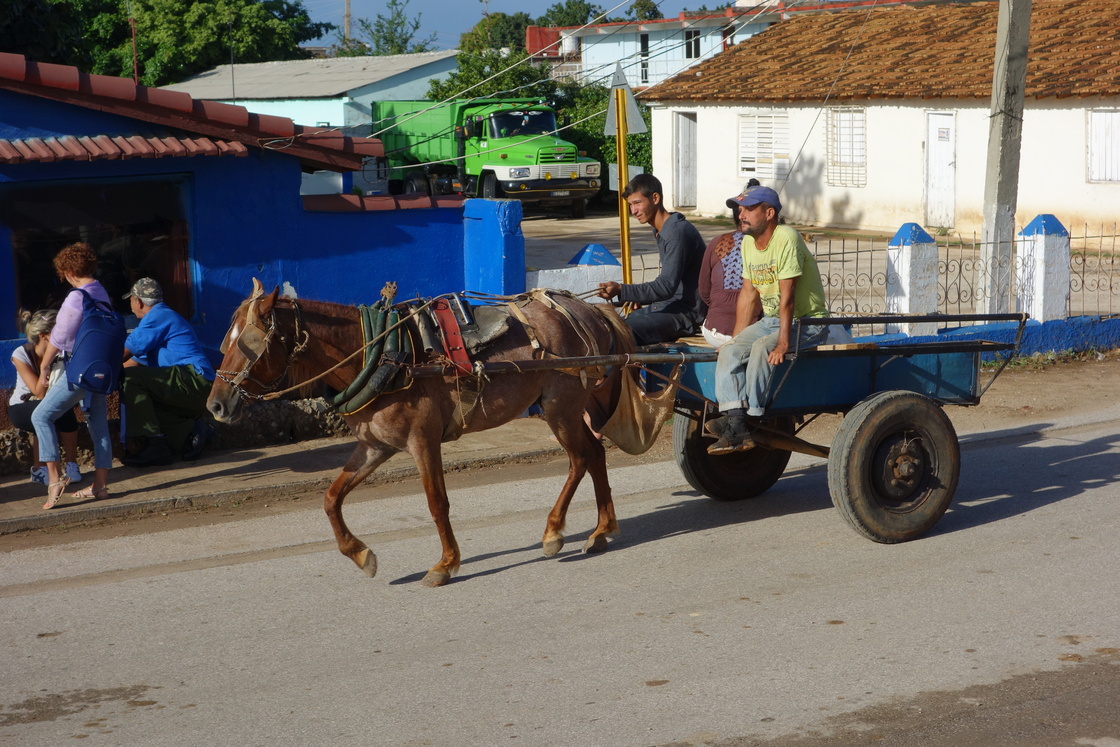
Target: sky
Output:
[(448, 19)]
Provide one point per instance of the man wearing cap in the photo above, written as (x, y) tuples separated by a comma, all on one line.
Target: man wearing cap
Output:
[(672, 304), (779, 271), (167, 378)]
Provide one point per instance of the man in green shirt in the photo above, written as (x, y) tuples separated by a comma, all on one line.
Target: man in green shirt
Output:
[(778, 270)]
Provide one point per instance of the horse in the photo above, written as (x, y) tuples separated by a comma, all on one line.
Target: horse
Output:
[(275, 341)]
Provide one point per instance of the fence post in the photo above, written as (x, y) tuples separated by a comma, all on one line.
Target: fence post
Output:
[(912, 278), (1043, 251)]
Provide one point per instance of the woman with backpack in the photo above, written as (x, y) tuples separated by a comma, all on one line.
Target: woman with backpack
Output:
[(75, 264), (27, 393)]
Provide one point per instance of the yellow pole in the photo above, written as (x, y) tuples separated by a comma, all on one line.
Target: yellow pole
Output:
[(623, 179)]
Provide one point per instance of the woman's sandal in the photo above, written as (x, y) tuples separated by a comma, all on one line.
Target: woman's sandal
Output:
[(54, 496), (98, 494)]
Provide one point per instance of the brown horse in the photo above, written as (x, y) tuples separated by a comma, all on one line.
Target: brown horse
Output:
[(273, 342)]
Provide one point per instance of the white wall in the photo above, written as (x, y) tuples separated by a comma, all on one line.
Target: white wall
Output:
[(1052, 172)]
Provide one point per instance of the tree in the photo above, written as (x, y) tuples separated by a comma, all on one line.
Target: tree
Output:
[(497, 31), (179, 38), (389, 33), (514, 78), (44, 31), (570, 13), (644, 10)]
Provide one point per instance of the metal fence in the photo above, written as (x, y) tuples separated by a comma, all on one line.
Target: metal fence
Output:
[(854, 274)]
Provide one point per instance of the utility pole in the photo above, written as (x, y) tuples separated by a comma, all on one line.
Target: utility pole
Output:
[(1005, 135), (346, 24)]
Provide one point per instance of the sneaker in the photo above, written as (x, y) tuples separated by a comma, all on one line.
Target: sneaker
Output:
[(39, 475), (73, 472)]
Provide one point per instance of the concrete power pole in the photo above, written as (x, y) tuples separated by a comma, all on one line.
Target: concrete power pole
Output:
[(1005, 135), (346, 23)]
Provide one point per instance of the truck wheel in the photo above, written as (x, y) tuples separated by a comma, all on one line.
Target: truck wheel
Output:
[(894, 466), (490, 189), (417, 184), (730, 477), (579, 209)]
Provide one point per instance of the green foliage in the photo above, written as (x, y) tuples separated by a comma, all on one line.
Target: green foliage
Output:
[(44, 31), (179, 38), (495, 31), (389, 33), (580, 102), (512, 78), (570, 13), (644, 10)]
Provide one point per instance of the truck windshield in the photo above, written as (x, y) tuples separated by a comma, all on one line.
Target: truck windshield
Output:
[(531, 122)]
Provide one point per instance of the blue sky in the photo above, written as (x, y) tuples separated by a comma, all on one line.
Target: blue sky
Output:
[(450, 18)]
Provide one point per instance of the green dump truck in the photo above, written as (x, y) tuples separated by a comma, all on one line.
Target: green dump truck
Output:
[(498, 148)]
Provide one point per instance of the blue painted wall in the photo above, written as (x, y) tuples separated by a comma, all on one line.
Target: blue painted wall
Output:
[(247, 220)]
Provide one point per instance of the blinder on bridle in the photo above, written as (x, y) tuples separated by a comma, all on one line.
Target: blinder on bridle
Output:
[(252, 342)]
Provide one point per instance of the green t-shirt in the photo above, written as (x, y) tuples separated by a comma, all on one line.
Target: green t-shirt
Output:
[(786, 256)]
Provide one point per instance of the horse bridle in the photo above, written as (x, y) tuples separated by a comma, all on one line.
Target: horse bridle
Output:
[(253, 342)]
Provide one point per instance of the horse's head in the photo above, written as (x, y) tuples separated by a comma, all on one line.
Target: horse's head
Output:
[(254, 361)]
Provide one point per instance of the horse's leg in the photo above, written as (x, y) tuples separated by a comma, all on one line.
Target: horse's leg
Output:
[(429, 462), (363, 461), (585, 453)]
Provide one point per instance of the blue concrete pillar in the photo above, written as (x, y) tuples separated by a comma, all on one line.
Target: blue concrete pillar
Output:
[(493, 247), (912, 278), (1043, 267)]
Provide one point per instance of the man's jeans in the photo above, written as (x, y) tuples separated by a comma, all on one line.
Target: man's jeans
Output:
[(743, 373)]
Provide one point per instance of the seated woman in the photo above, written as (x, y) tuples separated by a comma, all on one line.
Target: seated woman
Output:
[(28, 392)]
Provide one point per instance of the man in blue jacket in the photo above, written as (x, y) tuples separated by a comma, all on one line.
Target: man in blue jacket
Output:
[(672, 307), (167, 379)]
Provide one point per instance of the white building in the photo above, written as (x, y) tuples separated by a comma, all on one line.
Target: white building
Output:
[(873, 117), (650, 51), (323, 92)]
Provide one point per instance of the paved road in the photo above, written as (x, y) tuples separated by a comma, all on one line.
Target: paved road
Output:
[(706, 623)]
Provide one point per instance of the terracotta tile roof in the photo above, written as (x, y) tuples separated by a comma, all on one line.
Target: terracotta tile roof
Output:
[(105, 147), (373, 203), (175, 111), (936, 51)]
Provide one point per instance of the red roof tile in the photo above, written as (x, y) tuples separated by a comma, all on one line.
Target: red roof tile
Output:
[(935, 51), (219, 128), (103, 147)]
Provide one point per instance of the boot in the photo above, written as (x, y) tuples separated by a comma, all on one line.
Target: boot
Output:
[(156, 453), (733, 432), (198, 440)]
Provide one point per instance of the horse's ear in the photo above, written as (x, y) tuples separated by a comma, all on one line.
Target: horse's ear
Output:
[(258, 289), (266, 303)]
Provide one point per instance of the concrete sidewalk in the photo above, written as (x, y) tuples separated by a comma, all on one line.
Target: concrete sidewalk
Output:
[(225, 477)]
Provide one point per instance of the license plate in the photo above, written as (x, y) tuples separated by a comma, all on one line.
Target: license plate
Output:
[(561, 193)]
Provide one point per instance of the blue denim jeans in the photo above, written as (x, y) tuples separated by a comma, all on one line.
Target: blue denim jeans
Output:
[(61, 399), (743, 373)]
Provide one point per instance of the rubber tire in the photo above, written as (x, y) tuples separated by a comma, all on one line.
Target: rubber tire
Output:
[(859, 459), (579, 209), (416, 184), (489, 187), (396, 186), (730, 477)]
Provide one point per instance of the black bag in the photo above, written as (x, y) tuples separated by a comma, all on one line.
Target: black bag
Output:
[(95, 362)]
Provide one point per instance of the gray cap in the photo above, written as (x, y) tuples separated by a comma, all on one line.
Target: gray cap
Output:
[(147, 290)]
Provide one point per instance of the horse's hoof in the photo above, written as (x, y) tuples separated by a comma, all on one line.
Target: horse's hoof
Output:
[(596, 543), (435, 578), (552, 546), (367, 561)]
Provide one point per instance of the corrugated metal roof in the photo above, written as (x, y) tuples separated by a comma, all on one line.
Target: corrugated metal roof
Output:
[(177, 112), (939, 51), (302, 79), (107, 147)]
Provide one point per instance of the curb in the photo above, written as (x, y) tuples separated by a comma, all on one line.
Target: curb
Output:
[(49, 519)]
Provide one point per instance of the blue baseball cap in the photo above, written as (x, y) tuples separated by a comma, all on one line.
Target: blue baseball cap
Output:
[(754, 195)]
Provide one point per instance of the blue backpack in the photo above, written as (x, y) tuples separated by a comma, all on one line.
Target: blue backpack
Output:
[(95, 362)]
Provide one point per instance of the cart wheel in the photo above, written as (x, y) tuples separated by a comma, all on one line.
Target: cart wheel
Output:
[(894, 466), (729, 477)]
